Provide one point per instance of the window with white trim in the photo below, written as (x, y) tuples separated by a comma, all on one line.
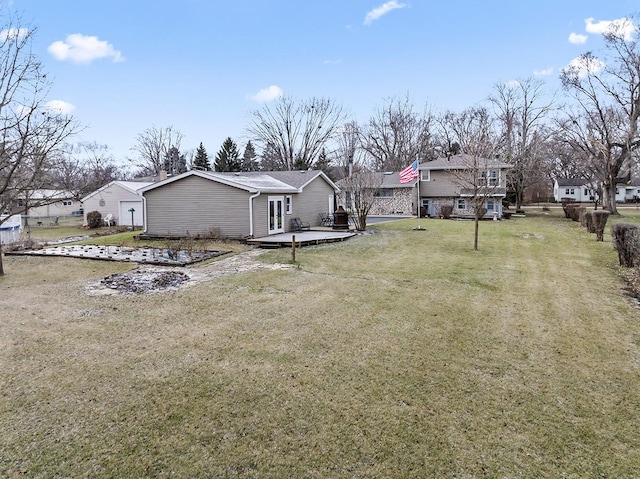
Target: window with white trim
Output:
[(491, 205), (425, 175), (461, 204), (288, 204)]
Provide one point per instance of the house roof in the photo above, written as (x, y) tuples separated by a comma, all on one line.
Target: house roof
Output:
[(388, 180), (462, 161), (255, 181), (571, 182), (44, 194), (132, 186)]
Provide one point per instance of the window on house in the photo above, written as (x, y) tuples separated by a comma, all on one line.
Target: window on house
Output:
[(461, 204), (384, 193), (66, 203), (586, 192), (572, 191), (289, 204), (482, 178), (491, 205), (494, 178), (425, 175)]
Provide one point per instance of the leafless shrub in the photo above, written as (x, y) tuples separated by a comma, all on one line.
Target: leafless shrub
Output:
[(588, 222), (626, 241), (446, 211), (582, 211), (599, 222)]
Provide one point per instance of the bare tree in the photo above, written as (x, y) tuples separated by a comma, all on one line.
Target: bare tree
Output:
[(360, 189), (607, 93), (477, 174), (521, 111), (295, 132), (85, 167), (396, 135), (152, 148), (349, 155), (31, 134)]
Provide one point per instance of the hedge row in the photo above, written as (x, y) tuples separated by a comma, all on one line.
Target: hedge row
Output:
[(594, 221)]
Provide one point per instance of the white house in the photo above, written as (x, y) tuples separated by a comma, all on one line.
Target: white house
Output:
[(573, 189), (120, 199)]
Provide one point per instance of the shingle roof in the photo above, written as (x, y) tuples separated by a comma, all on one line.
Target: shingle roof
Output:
[(571, 181), (462, 161)]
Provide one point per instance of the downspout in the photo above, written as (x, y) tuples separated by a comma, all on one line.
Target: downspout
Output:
[(251, 198)]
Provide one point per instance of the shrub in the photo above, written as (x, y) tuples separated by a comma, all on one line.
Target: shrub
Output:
[(446, 210), (582, 211), (626, 241), (599, 222), (571, 211), (94, 219), (588, 222)]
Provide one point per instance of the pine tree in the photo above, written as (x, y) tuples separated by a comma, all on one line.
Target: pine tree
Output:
[(227, 158), (323, 163), (201, 161), (249, 158), (174, 163)]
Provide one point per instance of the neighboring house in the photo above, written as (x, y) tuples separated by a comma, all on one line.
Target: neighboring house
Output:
[(117, 198), (236, 205), (440, 186), (54, 203), (627, 193), (573, 189), (390, 198)]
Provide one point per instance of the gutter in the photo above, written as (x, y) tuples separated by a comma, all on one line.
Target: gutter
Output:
[(251, 198)]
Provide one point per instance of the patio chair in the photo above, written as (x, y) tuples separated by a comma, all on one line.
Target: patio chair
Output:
[(326, 219), (108, 219), (298, 225)]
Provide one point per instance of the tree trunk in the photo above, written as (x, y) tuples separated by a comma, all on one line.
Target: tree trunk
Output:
[(475, 233), (1, 260)]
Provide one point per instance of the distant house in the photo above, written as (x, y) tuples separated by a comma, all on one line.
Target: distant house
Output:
[(117, 199), (236, 205), (627, 193), (573, 189), (439, 185), (389, 198), (51, 204)]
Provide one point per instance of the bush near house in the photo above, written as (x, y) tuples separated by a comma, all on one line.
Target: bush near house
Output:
[(94, 219), (446, 211), (626, 241), (599, 222)]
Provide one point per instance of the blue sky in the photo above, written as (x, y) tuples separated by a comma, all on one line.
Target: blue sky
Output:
[(201, 66)]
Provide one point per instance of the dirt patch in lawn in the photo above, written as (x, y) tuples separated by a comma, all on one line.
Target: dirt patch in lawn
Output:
[(151, 279)]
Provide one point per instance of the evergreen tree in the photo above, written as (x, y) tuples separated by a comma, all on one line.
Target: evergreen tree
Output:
[(227, 158), (249, 158), (174, 163), (323, 163), (201, 161)]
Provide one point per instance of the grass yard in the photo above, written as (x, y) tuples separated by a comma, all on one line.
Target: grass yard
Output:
[(399, 354)]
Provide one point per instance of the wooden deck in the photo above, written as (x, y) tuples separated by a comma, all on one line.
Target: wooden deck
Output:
[(303, 238)]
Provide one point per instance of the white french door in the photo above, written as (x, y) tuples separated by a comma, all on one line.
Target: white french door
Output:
[(276, 214)]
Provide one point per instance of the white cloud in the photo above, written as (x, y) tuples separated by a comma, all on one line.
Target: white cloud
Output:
[(60, 106), (332, 62), (382, 10), (545, 72), (624, 26), (512, 84), (267, 94), (582, 66), (577, 38), (80, 48), (12, 33)]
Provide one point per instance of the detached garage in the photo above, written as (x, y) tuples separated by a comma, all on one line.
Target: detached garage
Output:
[(118, 198)]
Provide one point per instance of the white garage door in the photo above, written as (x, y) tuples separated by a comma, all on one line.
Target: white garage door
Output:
[(125, 214)]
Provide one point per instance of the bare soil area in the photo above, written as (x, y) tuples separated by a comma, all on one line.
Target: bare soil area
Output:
[(153, 279)]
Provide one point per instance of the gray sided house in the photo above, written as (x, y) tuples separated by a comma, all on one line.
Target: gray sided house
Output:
[(453, 181), (390, 198), (117, 198), (236, 205)]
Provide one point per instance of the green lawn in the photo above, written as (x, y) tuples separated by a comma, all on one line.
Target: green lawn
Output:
[(399, 354)]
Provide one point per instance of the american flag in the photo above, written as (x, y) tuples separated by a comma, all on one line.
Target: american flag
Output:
[(410, 173)]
